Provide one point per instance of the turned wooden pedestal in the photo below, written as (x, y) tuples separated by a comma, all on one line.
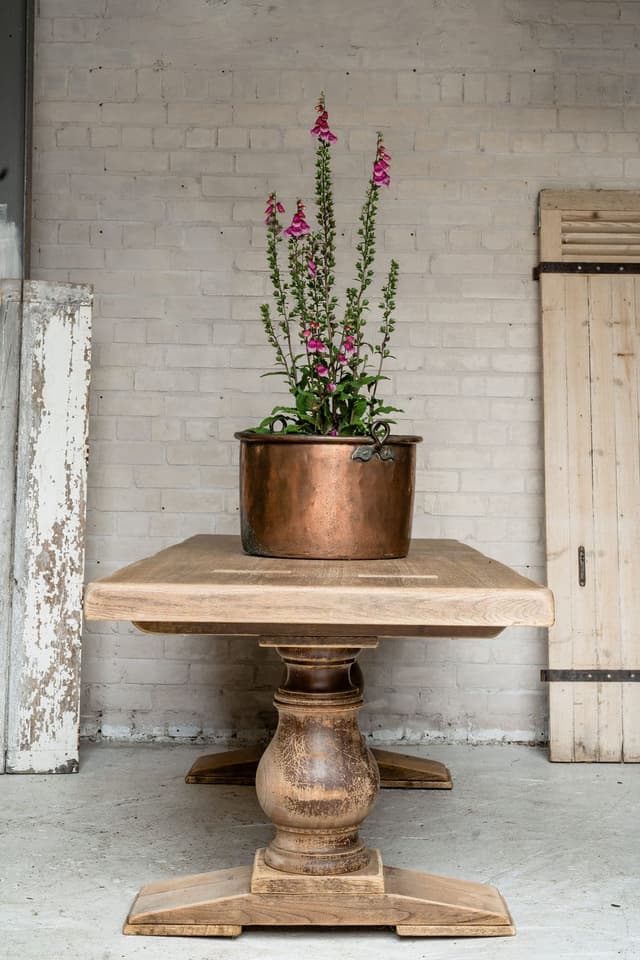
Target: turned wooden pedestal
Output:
[(397, 770), (317, 780)]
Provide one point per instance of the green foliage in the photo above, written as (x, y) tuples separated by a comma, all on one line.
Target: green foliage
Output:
[(332, 372)]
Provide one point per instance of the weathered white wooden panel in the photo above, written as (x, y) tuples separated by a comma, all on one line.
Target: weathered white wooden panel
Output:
[(44, 667), (10, 323)]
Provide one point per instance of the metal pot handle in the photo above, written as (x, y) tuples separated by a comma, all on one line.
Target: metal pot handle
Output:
[(278, 419), (379, 433)]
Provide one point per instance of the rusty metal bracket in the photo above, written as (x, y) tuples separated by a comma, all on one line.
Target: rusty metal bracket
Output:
[(590, 676)]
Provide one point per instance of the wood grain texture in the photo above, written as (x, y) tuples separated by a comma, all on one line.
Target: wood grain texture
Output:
[(425, 904), (182, 930), (209, 579), (603, 726), (619, 202), (397, 770), (406, 772), (590, 226), (591, 352), (317, 780), (271, 634), (369, 879), (626, 379), (411, 930)]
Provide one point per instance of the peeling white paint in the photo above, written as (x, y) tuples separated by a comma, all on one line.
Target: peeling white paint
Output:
[(44, 672)]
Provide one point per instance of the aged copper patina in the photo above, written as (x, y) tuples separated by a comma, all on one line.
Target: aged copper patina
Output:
[(326, 497)]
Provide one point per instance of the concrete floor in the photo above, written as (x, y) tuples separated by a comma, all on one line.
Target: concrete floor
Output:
[(560, 841)]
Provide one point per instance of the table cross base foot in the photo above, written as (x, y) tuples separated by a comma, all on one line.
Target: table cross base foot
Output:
[(220, 904), (397, 770)]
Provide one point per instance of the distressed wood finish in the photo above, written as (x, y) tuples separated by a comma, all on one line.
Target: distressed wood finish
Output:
[(369, 878), (10, 335), (317, 780), (591, 352), (44, 672), (590, 225), (207, 579), (397, 770), (287, 629), (416, 904)]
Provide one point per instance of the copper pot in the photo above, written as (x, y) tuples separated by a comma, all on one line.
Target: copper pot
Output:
[(326, 497)]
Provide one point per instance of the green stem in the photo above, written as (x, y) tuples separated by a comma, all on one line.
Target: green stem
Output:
[(279, 288), (387, 305)]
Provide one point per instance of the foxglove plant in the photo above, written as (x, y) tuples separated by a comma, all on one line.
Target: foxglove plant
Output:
[(332, 370)]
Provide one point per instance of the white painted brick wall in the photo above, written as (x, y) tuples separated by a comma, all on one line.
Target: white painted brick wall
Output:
[(160, 127)]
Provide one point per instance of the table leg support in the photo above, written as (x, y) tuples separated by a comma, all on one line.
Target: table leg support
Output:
[(397, 770), (220, 904), (317, 781), (400, 771)]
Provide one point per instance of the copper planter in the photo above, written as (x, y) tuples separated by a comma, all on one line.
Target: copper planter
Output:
[(326, 497)]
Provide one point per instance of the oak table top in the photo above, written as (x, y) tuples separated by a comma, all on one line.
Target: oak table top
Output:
[(208, 580), (318, 780)]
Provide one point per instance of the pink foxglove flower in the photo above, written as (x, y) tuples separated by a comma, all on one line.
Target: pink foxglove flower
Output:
[(299, 226), (321, 350), (273, 205), (321, 128), (381, 165)]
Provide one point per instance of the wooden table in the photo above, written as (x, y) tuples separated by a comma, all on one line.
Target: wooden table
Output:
[(317, 780)]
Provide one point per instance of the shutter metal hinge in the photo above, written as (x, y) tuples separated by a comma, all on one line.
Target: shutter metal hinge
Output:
[(559, 266), (590, 676)]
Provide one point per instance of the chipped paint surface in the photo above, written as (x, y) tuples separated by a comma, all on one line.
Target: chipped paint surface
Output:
[(10, 321), (44, 670)]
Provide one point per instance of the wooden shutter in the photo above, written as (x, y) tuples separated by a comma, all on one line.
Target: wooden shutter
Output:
[(590, 248)]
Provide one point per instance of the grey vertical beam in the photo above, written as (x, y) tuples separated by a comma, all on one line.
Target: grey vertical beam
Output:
[(48, 565), (16, 73), (10, 324)]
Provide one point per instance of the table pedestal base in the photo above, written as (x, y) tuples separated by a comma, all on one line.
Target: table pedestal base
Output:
[(220, 904), (397, 770), (317, 781)]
